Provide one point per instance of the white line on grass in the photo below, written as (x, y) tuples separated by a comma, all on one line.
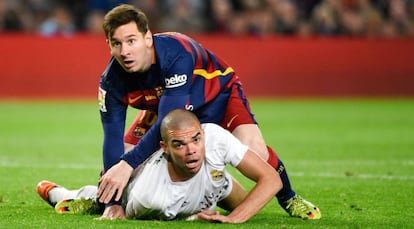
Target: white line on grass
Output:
[(357, 176), (5, 164), (378, 162), (49, 166)]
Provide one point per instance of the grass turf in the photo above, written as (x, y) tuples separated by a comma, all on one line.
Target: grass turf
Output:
[(353, 158)]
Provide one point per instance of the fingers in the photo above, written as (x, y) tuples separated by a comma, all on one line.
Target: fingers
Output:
[(114, 181), (213, 217), (209, 212), (113, 212), (107, 189), (221, 219), (119, 193), (101, 186)]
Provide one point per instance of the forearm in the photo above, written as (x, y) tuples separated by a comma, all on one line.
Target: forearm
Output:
[(145, 147), (113, 146), (268, 183), (258, 197)]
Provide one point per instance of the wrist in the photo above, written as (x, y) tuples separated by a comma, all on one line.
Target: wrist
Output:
[(113, 203), (128, 159), (127, 165)]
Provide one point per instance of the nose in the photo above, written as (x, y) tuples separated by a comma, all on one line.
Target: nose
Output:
[(124, 50), (191, 148)]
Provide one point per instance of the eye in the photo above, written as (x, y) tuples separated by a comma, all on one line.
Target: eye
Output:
[(197, 139), (131, 41), (116, 44), (178, 145)]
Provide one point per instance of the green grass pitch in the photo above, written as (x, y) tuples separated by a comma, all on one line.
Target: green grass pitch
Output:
[(354, 158)]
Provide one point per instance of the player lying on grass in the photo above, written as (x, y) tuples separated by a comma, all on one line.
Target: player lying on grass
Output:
[(185, 179)]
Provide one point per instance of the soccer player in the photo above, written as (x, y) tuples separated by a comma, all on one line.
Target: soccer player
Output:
[(185, 179), (162, 72)]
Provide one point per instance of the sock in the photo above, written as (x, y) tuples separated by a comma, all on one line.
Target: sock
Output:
[(286, 192), (60, 193), (88, 192)]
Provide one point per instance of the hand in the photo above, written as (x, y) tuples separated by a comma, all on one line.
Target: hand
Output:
[(113, 212), (114, 180), (213, 217)]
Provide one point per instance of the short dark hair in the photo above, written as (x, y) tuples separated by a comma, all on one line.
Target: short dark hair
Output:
[(124, 14)]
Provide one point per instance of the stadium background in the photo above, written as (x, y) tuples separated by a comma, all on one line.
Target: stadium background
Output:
[(278, 47)]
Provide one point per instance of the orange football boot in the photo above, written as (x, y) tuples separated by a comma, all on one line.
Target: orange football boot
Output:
[(43, 188)]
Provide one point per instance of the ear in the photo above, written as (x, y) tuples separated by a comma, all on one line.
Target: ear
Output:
[(163, 146), (148, 39)]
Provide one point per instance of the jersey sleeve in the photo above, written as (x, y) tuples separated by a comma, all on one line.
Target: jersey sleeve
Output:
[(222, 147), (113, 114), (176, 96)]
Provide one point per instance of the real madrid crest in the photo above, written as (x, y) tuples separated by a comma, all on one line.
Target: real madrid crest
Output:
[(216, 175)]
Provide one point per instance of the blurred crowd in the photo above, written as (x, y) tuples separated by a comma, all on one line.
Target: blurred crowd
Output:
[(376, 18)]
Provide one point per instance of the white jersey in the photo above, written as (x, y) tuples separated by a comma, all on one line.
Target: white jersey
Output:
[(153, 195)]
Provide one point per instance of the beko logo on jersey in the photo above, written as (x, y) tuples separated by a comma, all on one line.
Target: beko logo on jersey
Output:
[(175, 81)]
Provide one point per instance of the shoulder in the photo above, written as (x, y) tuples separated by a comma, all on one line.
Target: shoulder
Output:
[(222, 146), (214, 131), (176, 42), (112, 65), (156, 160), (166, 41), (216, 138), (112, 71)]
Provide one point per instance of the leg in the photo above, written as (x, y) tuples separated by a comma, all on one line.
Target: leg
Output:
[(239, 120), (250, 135), (142, 122), (53, 193), (78, 201)]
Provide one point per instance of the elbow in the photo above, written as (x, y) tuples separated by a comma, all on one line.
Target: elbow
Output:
[(273, 182)]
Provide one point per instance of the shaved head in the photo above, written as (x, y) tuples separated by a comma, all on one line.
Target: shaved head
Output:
[(183, 143), (178, 119)]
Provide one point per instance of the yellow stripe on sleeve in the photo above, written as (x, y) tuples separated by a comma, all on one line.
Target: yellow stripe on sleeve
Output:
[(205, 74)]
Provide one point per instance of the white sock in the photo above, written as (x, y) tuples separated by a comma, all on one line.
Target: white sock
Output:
[(60, 193), (88, 191)]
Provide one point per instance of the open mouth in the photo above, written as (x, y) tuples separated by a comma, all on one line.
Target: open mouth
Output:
[(192, 164), (128, 63)]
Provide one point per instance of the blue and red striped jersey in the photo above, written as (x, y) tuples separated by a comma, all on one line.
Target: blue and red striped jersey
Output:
[(184, 75)]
